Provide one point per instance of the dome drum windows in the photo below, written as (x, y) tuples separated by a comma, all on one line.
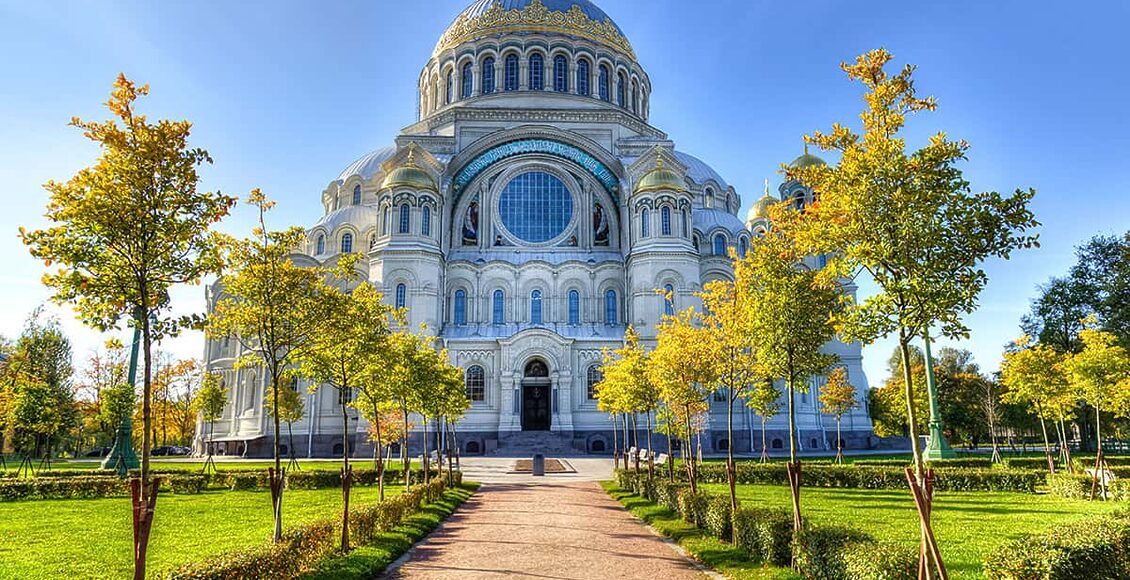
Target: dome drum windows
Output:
[(426, 222), (536, 81), (357, 195), (450, 96), (405, 219), (488, 76), (645, 223), (583, 77), (560, 74), (468, 78), (665, 220), (346, 243), (401, 296), (719, 245), (510, 76), (321, 244), (603, 83)]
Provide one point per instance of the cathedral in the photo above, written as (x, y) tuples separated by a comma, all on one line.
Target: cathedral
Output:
[(528, 216)]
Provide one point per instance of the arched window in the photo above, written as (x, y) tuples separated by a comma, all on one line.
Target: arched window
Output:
[(357, 195), (346, 243), (460, 307), (635, 97), (475, 384), (743, 246), (668, 300), (603, 83), (583, 77), (450, 87), (426, 221), (686, 232), (537, 72), (498, 316), (321, 244), (510, 76), (621, 90), (488, 75), (405, 218), (560, 74), (610, 308), (468, 81), (372, 241), (719, 245), (592, 378), (574, 307), (401, 295), (665, 220), (385, 222), (535, 307), (645, 223)]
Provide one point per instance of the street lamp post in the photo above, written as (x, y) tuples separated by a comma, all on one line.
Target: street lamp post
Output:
[(936, 447)]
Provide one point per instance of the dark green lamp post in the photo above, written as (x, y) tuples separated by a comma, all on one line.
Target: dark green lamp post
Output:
[(936, 447), (122, 457)]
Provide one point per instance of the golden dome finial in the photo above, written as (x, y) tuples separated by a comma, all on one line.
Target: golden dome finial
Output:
[(806, 146), (766, 187)]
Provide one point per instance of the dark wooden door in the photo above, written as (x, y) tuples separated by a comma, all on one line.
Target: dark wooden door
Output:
[(535, 408)]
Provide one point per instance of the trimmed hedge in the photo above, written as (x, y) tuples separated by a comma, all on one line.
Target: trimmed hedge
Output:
[(881, 561), (765, 533), (692, 506), (963, 462), (718, 520), (1093, 549), (303, 547), (62, 488), (818, 552), (867, 477), (1078, 486)]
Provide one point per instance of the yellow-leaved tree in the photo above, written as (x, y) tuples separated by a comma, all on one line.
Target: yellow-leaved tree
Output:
[(837, 398), (124, 232), (1034, 376)]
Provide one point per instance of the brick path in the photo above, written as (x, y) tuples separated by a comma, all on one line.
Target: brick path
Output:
[(547, 530)]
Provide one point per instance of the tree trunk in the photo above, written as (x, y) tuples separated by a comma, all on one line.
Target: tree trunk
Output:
[(670, 454), (1065, 447), (378, 458), (688, 455), (636, 440), (404, 449), (927, 562), (615, 445), (794, 465), (730, 470), (1047, 442), (346, 472), (764, 447), (839, 442), (144, 492), (650, 455)]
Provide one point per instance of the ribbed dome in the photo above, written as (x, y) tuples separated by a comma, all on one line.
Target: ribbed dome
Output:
[(411, 176), (368, 165), (760, 208), (806, 160), (660, 178), (578, 18)]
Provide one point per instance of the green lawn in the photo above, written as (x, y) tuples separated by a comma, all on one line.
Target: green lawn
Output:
[(93, 539), (221, 464), (968, 524)]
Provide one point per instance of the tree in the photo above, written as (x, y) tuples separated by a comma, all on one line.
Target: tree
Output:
[(275, 308), (625, 387), (683, 370), (790, 310), (1100, 375), (727, 319), (765, 401), (105, 369), (837, 398), (45, 353), (1057, 314), (354, 338), (911, 223), (291, 409), (118, 403), (210, 402), (1034, 376), (125, 231)]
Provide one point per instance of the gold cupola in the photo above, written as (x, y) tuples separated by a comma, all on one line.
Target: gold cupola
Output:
[(410, 175), (660, 178)]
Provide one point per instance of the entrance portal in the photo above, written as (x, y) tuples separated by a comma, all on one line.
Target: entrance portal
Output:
[(536, 393)]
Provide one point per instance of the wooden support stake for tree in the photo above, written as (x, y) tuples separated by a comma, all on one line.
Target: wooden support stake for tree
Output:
[(346, 480), (922, 500), (793, 471), (142, 522), (1100, 465)]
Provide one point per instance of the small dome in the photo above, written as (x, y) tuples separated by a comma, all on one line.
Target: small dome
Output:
[(411, 176), (760, 208), (368, 165), (660, 178), (807, 160), (707, 221), (698, 171)]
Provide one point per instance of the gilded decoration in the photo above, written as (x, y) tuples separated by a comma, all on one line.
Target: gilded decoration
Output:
[(533, 18)]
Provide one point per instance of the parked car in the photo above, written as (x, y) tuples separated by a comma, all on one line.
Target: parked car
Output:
[(98, 452)]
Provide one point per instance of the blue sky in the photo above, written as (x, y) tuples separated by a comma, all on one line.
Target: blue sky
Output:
[(286, 94)]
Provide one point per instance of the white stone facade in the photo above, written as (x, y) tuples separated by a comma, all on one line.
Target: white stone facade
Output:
[(527, 227)]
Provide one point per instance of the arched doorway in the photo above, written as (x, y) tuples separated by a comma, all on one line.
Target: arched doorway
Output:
[(536, 393)]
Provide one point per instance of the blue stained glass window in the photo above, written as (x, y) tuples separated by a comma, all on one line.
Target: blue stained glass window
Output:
[(686, 232), (511, 75), (357, 195), (635, 98), (743, 247), (405, 218), (574, 308), (468, 80), (665, 219), (488, 76), (536, 207), (401, 295), (426, 222), (321, 245), (460, 308), (535, 307), (537, 73), (668, 300), (560, 74), (610, 307), (583, 77), (346, 243), (719, 245), (498, 316), (621, 90), (645, 223), (450, 87), (603, 83)]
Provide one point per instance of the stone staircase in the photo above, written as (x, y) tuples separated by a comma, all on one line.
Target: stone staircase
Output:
[(527, 443)]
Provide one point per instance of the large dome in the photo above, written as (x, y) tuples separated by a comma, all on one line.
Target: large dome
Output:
[(579, 18)]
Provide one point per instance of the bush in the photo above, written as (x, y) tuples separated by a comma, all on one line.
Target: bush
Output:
[(869, 477), (245, 480), (819, 552), (1086, 550), (301, 548), (668, 493), (764, 533), (692, 506), (62, 488), (718, 520), (316, 479), (881, 561), (186, 484), (1072, 486)]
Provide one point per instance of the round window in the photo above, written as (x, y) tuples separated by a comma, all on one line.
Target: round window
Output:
[(536, 207)]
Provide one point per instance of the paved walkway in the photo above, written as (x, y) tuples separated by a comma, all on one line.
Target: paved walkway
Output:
[(553, 529)]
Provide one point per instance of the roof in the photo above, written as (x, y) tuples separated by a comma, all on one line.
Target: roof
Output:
[(369, 164), (698, 171), (479, 7), (361, 217), (706, 220)]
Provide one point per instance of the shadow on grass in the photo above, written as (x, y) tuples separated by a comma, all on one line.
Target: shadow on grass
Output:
[(729, 560), (370, 560)]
